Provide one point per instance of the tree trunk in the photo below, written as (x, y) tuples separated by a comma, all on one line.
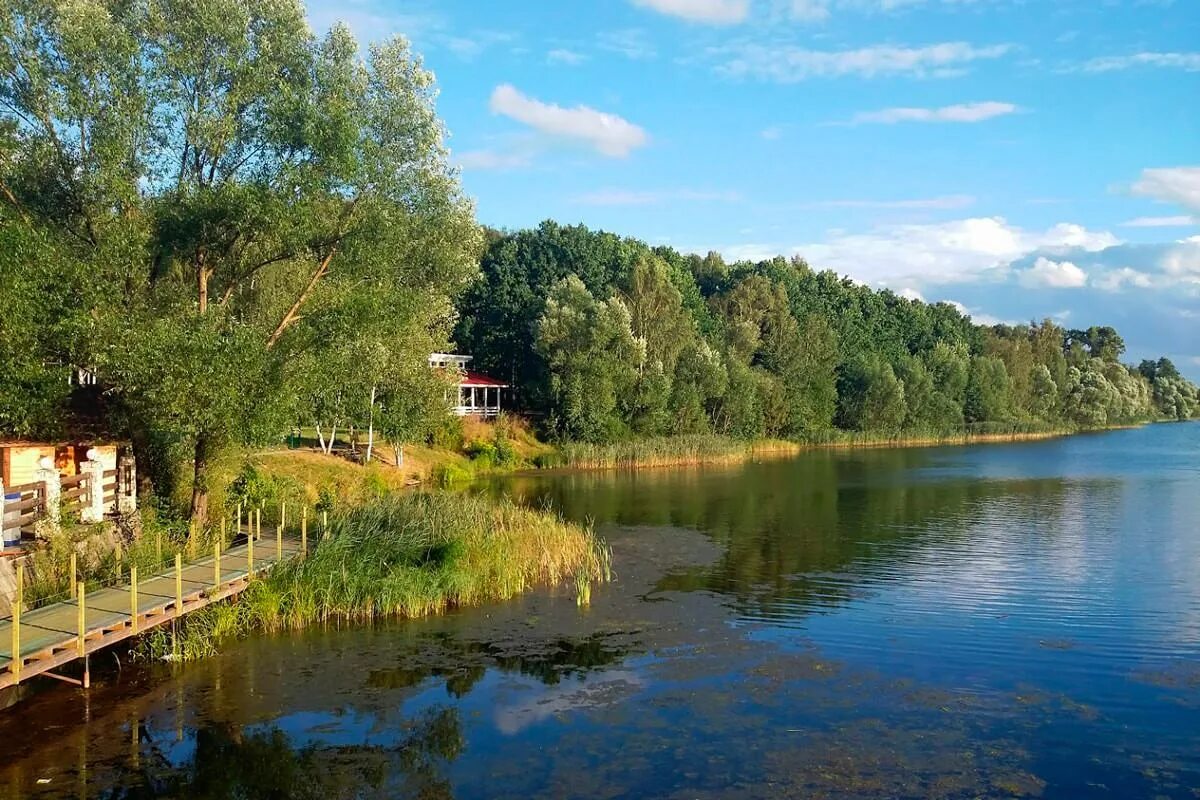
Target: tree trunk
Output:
[(200, 464), (203, 289), (320, 438), (399, 449), (332, 438), (371, 427)]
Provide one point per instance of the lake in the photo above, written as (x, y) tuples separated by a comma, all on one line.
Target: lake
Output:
[(1018, 620)]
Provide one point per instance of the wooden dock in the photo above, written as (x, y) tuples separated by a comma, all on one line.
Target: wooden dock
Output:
[(49, 637)]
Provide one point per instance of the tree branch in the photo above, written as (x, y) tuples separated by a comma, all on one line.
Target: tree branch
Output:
[(292, 315)]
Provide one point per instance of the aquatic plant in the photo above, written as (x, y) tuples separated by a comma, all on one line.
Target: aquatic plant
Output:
[(403, 556)]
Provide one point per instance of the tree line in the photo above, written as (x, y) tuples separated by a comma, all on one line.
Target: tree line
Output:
[(609, 338)]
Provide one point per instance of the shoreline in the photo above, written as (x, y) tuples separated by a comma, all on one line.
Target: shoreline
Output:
[(740, 452)]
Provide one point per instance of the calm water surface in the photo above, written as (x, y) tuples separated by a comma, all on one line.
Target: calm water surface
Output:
[(996, 621)]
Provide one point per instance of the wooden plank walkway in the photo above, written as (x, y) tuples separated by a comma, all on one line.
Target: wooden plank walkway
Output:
[(49, 636)]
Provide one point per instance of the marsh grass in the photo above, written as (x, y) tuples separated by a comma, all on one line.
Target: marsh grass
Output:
[(402, 556), (714, 449)]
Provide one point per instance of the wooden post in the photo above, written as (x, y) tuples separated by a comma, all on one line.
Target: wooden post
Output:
[(178, 584), (74, 572), (279, 544), (158, 546), (249, 555), (82, 619), (221, 541), (217, 566), (237, 530), (324, 524), (258, 523), (133, 603), (18, 601), (282, 513), (81, 593), (304, 532)]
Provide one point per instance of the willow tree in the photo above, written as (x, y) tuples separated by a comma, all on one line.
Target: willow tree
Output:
[(232, 193)]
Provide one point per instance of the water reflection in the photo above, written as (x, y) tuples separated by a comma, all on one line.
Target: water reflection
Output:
[(950, 623), (227, 762)]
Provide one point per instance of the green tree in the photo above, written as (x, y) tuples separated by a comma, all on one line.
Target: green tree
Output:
[(989, 391), (225, 185), (593, 359)]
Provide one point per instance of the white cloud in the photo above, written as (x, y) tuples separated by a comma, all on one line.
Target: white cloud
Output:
[(911, 294), (1189, 62), (1066, 235), (954, 251), (1160, 222), (1115, 280), (711, 12), (623, 197), (1179, 185), (945, 202), (944, 252), (772, 132), (964, 112), (791, 64), (609, 134), (564, 56), (1047, 274)]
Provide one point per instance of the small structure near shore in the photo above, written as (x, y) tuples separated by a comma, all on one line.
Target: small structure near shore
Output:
[(477, 394), (40, 481)]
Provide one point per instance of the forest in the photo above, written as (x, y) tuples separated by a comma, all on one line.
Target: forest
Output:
[(216, 226), (609, 338)]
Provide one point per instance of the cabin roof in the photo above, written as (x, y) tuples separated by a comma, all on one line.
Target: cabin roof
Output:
[(475, 379)]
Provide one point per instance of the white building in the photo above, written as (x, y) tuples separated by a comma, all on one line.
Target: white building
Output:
[(478, 395)]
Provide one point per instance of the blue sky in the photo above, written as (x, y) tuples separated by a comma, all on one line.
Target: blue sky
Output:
[(1023, 158)]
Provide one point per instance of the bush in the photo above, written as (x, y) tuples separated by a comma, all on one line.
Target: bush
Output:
[(447, 474), (482, 454)]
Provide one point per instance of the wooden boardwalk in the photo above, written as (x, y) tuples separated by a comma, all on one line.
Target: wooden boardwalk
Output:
[(58, 634)]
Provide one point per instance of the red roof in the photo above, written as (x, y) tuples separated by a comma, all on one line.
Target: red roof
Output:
[(475, 379)]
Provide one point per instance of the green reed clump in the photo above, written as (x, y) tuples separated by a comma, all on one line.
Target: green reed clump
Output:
[(403, 556), (663, 451)]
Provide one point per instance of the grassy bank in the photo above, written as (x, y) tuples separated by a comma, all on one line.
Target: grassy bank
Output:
[(403, 556)]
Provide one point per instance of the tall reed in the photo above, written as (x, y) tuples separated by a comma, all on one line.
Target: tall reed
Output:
[(404, 556)]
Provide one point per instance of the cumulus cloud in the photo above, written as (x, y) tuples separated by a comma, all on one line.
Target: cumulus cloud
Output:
[(1047, 274), (1178, 185), (952, 252), (963, 112), (909, 293), (709, 12), (1189, 62), (608, 134), (791, 64), (1117, 279), (1067, 235)]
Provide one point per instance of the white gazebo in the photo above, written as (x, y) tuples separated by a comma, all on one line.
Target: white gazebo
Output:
[(478, 395)]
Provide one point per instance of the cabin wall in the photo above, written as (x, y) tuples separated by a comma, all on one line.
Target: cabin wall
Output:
[(21, 462)]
